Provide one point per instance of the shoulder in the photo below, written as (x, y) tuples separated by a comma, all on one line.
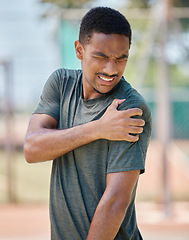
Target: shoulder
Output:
[(62, 74), (63, 77), (133, 99), (125, 90)]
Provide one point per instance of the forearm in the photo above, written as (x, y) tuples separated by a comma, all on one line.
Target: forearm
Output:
[(48, 144), (107, 220), (44, 142), (113, 205)]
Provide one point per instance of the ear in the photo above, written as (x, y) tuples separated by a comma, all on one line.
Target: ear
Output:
[(78, 50)]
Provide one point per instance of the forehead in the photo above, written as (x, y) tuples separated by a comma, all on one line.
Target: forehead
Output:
[(112, 43)]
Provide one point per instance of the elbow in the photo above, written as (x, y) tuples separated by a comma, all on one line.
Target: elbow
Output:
[(122, 204), (119, 205), (29, 153)]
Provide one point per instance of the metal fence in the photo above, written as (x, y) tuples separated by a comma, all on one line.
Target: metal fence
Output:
[(179, 104)]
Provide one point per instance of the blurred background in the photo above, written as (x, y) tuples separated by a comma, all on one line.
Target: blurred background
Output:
[(36, 38)]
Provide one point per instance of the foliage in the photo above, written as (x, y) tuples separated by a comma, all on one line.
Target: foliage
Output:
[(180, 3), (148, 3), (66, 3), (139, 3)]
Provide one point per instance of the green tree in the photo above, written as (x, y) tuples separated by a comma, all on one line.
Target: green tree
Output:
[(180, 3), (148, 3), (66, 3), (139, 4)]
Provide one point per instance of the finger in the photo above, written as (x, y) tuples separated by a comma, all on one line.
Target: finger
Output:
[(135, 130), (132, 138), (134, 112), (136, 122), (116, 103)]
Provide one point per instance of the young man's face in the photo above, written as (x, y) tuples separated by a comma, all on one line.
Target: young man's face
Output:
[(103, 61)]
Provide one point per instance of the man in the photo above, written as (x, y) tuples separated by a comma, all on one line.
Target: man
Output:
[(89, 122)]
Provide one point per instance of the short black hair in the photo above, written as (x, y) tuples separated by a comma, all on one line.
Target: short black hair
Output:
[(103, 20)]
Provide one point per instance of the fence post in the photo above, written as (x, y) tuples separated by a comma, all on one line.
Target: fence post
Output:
[(9, 123), (163, 110)]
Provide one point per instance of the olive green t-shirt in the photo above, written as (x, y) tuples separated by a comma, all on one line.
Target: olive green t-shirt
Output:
[(78, 178)]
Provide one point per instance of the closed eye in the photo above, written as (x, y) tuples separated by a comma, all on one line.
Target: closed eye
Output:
[(123, 57), (100, 54)]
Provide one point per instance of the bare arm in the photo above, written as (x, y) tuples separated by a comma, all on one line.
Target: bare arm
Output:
[(44, 142), (113, 205)]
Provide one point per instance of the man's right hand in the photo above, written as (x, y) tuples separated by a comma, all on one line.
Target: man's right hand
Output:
[(119, 125)]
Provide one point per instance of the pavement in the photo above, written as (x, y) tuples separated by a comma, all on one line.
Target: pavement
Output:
[(24, 222), (156, 223), (31, 222)]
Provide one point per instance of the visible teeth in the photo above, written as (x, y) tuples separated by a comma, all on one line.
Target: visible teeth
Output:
[(106, 79)]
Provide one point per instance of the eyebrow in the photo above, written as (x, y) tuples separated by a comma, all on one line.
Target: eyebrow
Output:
[(101, 54)]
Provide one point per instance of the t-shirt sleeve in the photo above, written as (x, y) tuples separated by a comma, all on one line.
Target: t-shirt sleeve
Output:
[(50, 99), (128, 156)]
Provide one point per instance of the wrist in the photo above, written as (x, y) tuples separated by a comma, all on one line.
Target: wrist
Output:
[(96, 130)]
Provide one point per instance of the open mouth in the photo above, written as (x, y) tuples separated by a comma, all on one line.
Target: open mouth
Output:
[(106, 79)]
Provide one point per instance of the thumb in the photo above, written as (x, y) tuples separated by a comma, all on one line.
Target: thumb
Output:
[(116, 103)]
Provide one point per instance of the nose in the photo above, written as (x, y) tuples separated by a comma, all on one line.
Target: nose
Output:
[(110, 68)]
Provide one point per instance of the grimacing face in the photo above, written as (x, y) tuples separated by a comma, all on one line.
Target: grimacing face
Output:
[(103, 61)]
